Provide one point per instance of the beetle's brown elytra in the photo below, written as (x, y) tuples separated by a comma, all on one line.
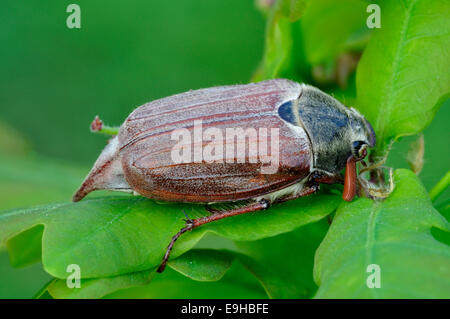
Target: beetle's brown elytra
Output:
[(317, 137)]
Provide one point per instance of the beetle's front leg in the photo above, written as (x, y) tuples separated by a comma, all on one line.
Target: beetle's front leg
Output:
[(217, 215), (320, 177)]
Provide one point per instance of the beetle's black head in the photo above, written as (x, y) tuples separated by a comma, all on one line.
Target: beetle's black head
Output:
[(362, 135), (336, 132)]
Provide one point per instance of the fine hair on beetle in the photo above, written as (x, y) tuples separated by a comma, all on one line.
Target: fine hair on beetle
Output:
[(250, 146), (227, 145)]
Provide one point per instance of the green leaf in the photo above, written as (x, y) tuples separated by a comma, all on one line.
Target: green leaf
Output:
[(394, 234), (319, 48), (118, 235), (98, 287), (284, 264), (403, 76), (197, 264), (330, 27), (444, 209), (203, 264), (236, 283), (279, 50), (25, 248), (440, 235), (43, 292)]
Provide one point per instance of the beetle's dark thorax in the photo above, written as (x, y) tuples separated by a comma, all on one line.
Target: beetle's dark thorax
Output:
[(327, 125)]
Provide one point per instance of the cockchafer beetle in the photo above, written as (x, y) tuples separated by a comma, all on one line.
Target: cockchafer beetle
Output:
[(318, 137)]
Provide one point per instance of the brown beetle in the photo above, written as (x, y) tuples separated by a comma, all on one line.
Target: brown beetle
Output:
[(160, 152)]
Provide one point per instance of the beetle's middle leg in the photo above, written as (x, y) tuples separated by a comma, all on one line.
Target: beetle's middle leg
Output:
[(308, 190), (217, 215)]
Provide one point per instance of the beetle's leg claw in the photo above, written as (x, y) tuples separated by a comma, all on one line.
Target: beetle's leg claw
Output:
[(187, 220), (186, 228)]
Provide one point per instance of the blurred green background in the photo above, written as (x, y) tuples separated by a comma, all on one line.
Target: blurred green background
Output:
[(54, 80)]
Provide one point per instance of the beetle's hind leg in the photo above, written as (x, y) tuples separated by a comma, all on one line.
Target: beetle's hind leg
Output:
[(216, 215), (217, 208)]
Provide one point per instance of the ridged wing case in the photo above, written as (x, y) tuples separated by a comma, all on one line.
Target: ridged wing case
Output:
[(146, 144)]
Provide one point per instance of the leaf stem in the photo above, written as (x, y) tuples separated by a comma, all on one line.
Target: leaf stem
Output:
[(440, 187), (97, 126), (109, 130)]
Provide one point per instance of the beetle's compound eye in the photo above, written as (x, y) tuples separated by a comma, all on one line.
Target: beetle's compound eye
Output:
[(359, 150)]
